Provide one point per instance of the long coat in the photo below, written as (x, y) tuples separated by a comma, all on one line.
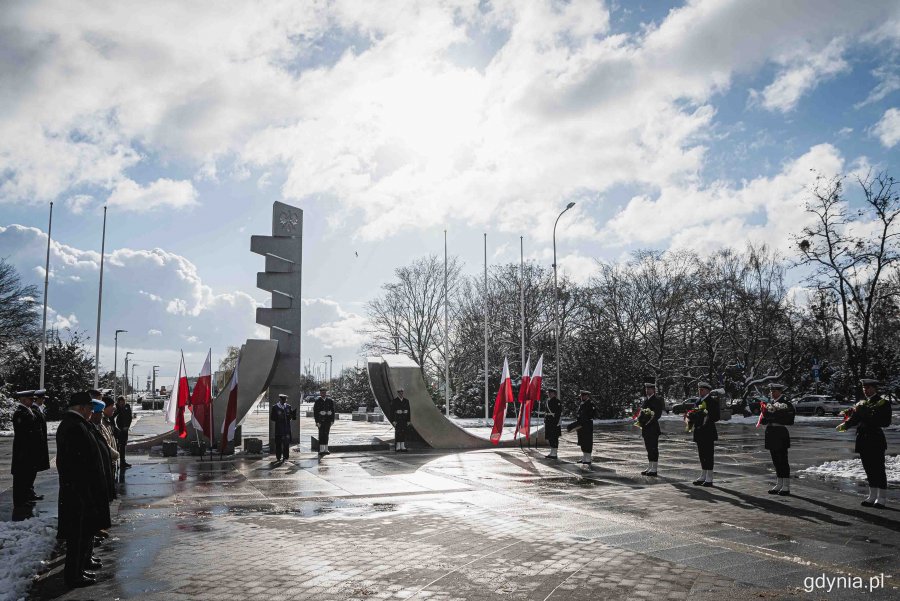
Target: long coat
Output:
[(552, 418), (400, 411), (42, 446), (585, 425), (282, 416), (657, 406), (869, 420), (777, 436), (706, 431), (107, 461), (123, 416), (26, 430), (323, 411), (82, 480)]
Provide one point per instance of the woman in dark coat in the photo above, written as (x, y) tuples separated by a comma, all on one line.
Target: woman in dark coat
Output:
[(777, 415), (869, 416), (585, 426)]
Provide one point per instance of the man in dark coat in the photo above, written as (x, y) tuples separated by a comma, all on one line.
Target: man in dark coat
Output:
[(106, 459), (400, 418), (43, 447), (778, 414), (869, 416), (552, 417), (26, 432), (282, 414), (122, 418), (83, 506), (584, 424), (651, 410), (704, 419), (323, 413)]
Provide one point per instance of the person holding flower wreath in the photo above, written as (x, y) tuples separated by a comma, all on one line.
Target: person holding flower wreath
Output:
[(869, 416), (702, 421), (648, 420), (776, 415)]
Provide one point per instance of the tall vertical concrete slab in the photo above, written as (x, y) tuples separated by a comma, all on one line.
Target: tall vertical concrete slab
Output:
[(283, 251)]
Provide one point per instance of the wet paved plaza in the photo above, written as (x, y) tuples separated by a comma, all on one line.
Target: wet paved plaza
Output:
[(505, 524)]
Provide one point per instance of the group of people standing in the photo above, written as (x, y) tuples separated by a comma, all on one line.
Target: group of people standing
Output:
[(90, 449)]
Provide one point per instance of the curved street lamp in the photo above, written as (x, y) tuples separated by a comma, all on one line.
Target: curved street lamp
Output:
[(556, 295)]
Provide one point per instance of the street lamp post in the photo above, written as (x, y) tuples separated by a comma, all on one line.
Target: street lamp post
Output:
[(125, 377), (153, 392), (330, 365), (133, 365), (556, 295), (116, 361)]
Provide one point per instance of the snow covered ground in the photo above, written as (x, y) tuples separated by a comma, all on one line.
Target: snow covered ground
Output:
[(851, 469), (24, 547)]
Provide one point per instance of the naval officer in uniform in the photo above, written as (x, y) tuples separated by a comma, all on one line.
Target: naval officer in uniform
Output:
[(869, 416), (552, 417), (704, 420), (26, 432), (282, 414), (585, 426), (400, 417), (651, 410), (43, 447), (323, 413), (779, 414)]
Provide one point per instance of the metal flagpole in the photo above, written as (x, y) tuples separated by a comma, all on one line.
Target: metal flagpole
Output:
[(46, 286), (212, 421), (485, 332), (100, 305), (446, 333)]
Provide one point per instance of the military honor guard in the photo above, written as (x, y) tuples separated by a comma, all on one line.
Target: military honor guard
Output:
[(702, 421), (651, 410), (778, 414), (323, 413), (282, 414), (400, 417), (43, 447), (123, 417), (584, 424), (869, 416), (552, 417), (26, 436), (83, 503)]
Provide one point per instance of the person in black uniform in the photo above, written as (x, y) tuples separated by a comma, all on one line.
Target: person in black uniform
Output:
[(42, 447), (83, 506), (585, 426), (869, 416), (651, 410), (122, 418), (323, 413), (705, 433), (26, 432), (282, 414), (779, 413), (106, 459), (552, 417), (400, 417)]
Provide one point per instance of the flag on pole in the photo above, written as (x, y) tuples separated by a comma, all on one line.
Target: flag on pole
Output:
[(534, 394), (504, 396), (523, 393), (201, 399), (178, 400), (229, 424)]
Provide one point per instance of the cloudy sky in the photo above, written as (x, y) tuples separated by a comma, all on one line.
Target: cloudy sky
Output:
[(670, 124)]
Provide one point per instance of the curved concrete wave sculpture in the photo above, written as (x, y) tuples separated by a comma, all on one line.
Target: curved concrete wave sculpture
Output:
[(258, 361), (387, 373)]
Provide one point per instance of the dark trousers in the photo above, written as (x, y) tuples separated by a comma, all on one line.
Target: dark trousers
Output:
[(282, 447), (122, 440), (707, 451), (780, 461), (400, 432), (79, 548), (873, 463), (652, 445), (324, 429), (23, 487)]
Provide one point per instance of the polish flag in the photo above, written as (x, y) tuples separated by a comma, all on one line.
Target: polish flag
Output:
[(504, 396), (178, 400), (523, 393), (229, 424), (201, 399), (534, 394)]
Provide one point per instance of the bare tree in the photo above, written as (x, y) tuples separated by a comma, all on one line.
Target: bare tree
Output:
[(18, 311), (851, 253)]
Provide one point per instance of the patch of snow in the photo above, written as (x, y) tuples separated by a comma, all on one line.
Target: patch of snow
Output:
[(852, 469), (24, 547)]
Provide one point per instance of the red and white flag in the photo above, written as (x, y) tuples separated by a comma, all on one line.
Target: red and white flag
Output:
[(178, 400), (534, 394), (229, 424), (201, 399), (504, 396), (526, 377)]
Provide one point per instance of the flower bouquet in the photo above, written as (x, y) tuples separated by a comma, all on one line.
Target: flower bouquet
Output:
[(693, 418), (642, 417)]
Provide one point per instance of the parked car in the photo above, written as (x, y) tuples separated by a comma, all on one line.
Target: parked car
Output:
[(670, 404), (817, 404), (685, 405)]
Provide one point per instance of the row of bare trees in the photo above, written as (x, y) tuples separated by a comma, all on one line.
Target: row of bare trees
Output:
[(740, 318)]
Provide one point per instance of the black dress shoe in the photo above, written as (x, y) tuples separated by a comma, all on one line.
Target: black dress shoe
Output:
[(88, 574), (774, 491), (645, 472), (37, 497), (868, 503), (126, 465), (699, 482), (94, 564), (550, 457), (784, 493), (81, 582), (878, 505), (651, 474), (707, 484)]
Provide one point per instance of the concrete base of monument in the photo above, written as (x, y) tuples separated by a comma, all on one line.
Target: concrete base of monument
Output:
[(376, 444)]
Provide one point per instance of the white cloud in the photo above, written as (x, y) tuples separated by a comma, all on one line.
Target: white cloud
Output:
[(154, 332), (803, 70), (578, 268), (339, 329), (888, 128), (79, 202), (162, 193)]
